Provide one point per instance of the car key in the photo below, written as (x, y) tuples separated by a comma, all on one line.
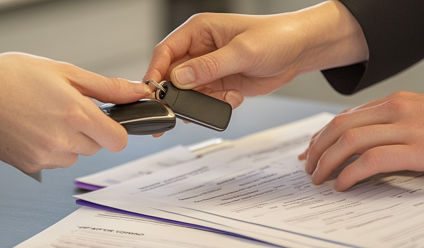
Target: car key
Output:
[(146, 116), (194, 106)]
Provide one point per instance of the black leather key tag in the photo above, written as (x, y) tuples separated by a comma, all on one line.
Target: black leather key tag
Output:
[(196, 107)]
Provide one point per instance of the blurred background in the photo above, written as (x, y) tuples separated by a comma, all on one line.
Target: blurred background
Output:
[(116, 38)]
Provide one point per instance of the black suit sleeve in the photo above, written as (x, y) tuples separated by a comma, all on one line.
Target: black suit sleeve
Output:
[(394, 31)]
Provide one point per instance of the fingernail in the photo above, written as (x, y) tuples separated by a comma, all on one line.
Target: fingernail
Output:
[(336, 185), (139, 88), (185, 75), (302, 156), (234, 98), (315, 176), (308, 168)]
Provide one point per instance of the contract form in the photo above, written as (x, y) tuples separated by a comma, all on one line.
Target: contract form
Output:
[(259, 186), (137, 168), (89, 227), (150, 164)]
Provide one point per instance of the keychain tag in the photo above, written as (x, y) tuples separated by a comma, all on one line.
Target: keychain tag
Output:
[(194, 106)]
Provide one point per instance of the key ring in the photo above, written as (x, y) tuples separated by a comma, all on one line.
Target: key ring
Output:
[(156, 84)]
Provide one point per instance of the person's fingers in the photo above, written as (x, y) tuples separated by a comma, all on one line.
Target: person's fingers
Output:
[(159, 64), (77, 144), (204, 69), (81, 144), (115, 90), (157, 135), (173, 48), (304, 154), (342, 122), (398, 95), (381, 159), (233, 97), (100, 128), (43, 159), (310, 167), (355, 141), (62, 151), (61, 160)]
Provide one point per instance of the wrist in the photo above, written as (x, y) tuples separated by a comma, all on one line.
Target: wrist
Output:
[(332, 38)]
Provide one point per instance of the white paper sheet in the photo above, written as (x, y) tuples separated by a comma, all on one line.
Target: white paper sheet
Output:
[(285, 148), (140, 167), (88, 227), (261, 184)]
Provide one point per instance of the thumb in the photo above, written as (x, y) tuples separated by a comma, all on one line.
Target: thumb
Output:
[(207, 68)]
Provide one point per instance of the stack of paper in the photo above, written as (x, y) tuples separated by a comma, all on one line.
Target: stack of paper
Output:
[(256, 188)]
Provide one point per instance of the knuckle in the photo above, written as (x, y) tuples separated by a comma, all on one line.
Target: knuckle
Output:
[(36, 161), (338, 122), (63, 67), (314, 153), (312, 147), (209, 67), (162, 49), (54, 144), (247, 48), (371, 160), (14, 56), (311, 142), (403, 106), (93, 150), (75, 117), (116, 84), (71, 160), (50, 144), (118, 147), (401, 94), (199, 18), (349, 138), (112, 87), (119, 144), (29, 168)]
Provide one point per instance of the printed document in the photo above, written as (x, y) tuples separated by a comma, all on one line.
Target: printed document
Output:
[(259, 186), (140, 167), (88, 227)]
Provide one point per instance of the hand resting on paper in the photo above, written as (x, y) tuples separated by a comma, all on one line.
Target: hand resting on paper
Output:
[(47, 119), (387, 134)]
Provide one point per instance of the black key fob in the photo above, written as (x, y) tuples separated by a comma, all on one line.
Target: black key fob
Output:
[(144, 117)]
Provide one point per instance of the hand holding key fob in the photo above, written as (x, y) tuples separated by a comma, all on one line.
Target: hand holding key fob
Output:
[(144, 117), (151, 116)]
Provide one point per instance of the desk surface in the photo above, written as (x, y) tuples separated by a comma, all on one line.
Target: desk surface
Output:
[(28, 207)]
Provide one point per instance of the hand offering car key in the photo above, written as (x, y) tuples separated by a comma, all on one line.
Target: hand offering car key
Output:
[(194, 106), (147, 116), (152, 116)]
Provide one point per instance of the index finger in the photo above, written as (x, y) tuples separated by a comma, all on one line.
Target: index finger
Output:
[(191, 39), (174, 46)]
